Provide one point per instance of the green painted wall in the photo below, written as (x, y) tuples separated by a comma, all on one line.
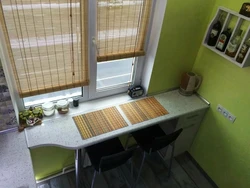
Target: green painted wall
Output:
[(50, 160), (182, 32), (220, 147)]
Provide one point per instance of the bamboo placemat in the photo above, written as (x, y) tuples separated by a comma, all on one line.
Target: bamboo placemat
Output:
[(143, 110), (99, 122)]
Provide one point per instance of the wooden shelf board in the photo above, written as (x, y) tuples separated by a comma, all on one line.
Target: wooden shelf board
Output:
[(234, 13)]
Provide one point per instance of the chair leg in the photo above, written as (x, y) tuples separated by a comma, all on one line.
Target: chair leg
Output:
[(139, 173), (171, 160), (93, 179), (83, 159), (78, 166)]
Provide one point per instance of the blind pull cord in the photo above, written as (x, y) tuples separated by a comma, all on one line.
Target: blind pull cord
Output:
[(72, 40)]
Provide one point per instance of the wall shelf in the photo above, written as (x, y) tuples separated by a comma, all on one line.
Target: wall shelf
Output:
[(240, 21)]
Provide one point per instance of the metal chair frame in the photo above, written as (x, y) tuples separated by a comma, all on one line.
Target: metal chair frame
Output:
[(164, 162), (100, 171)]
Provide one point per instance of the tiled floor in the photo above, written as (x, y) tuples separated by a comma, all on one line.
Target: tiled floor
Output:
[(184, 174)]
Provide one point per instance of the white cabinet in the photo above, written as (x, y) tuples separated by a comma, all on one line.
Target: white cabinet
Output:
[(236, 22), (190, 124)]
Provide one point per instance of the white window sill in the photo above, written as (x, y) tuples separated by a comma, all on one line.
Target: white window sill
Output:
[(92, 105)]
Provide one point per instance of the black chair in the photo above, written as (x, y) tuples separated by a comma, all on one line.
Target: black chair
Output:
[(108, 155), (153, 139)]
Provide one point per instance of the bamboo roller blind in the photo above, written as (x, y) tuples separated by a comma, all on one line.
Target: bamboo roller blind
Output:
[(121, 28), (47, 43)]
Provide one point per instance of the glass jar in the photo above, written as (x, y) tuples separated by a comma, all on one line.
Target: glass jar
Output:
[(70, 101), (48, 108), (62, 106)]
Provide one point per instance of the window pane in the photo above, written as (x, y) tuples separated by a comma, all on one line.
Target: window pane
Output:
[(54, 96), (47, 43), (111, 73)]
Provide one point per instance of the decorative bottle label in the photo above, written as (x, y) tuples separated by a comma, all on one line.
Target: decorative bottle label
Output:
[(214, 33), (243, 49), (232, 47), (222, 41), (242, 53)]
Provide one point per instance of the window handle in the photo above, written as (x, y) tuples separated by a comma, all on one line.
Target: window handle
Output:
[(95, 44), (93, 40)]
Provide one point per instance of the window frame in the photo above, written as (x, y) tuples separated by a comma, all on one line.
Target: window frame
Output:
[(139, 62), (90, 92)]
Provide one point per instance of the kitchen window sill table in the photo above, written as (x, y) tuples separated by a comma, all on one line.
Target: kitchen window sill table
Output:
[(61, 131)]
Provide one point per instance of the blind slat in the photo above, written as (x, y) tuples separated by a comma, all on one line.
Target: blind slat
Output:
[(121, 28), (47, 43)]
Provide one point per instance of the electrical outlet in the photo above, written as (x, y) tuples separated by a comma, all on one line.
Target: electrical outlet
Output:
[(220, 108), (231, 117), (226, 113)]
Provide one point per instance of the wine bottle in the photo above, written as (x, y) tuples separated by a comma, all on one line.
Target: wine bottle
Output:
[(233, 45), (243, 51), (223, 40), (214, 34)]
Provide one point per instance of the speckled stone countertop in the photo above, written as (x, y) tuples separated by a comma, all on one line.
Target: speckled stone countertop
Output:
[(60, 130), (16, 169)]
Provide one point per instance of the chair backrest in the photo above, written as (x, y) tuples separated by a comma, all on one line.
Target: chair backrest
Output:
[(163, 141), (115, 160)]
